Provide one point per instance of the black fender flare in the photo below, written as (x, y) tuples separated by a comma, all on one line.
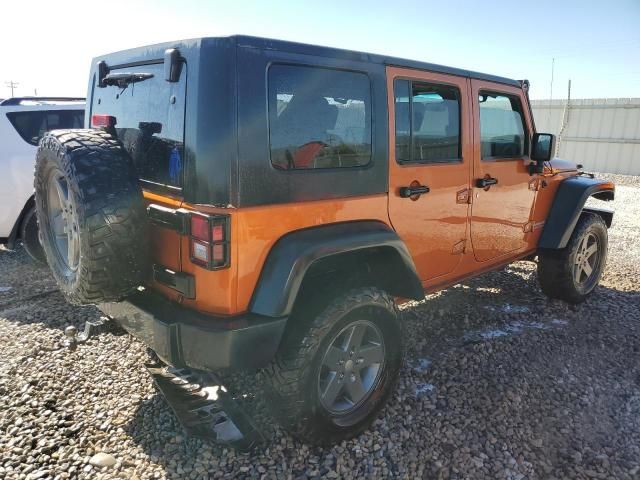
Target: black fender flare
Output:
[(293, 254), (567, 206)]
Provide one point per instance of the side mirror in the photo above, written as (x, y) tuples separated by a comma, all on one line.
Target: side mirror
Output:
[(543, 146)]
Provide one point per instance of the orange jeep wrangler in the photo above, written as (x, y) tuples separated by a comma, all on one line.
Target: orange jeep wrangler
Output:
[(244, 203)]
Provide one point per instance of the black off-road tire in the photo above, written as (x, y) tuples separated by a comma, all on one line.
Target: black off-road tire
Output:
[(110, 218), (556, 267), (291, 381), (30, 239)]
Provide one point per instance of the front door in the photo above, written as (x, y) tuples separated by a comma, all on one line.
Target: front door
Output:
[(429, 166), (504, 191)]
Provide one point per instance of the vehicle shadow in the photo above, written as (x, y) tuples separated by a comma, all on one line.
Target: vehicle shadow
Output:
[(508, 302), (29, 295)]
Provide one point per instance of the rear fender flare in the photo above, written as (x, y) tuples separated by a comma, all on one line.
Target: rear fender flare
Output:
[(568, 205), (291, 257)]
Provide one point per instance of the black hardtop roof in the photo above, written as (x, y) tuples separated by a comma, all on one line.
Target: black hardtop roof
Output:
[(304, 49)]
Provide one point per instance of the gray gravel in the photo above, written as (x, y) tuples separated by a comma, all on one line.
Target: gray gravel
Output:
[(500, 383)]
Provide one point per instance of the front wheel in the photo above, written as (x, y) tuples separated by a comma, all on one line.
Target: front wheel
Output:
[(332, 376), (571, 274)]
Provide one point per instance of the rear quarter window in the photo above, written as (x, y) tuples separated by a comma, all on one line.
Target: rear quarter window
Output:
[(318, 118), (32, 125)]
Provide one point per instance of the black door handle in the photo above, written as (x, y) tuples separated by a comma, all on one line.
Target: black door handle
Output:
[(408, 192), (486, 182)]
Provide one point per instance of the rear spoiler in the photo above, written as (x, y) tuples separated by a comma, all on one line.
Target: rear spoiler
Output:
[(172, 67)]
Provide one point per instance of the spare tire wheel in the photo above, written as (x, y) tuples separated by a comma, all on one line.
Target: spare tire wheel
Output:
[(91, 215)]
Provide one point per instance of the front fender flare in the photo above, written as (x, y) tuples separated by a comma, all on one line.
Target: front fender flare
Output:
[(293, 254), (567, 206)]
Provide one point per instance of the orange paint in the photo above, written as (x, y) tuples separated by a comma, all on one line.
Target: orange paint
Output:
[(435, 223), (253, 232), (499, 213), (453, 232)]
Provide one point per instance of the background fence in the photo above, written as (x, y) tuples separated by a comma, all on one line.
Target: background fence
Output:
[(601, 134)]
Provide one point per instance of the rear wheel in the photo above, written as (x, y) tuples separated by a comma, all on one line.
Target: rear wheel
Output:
[(571, 274), (335, 371), (30, 237)]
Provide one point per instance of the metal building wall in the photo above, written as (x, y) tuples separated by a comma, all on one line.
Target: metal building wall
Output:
[(601, 134)]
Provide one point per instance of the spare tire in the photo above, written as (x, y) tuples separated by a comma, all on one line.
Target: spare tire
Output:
[(91, 215)]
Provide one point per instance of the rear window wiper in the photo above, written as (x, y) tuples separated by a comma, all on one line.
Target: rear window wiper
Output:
[(122, 80)]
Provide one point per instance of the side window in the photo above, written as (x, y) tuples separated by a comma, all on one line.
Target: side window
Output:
[(502, 129), (427, 122), (318, 118), (32, 126)]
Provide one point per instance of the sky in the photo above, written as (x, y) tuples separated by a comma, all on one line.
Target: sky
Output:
[(47, 46)]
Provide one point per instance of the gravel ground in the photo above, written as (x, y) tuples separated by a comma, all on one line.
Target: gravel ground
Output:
[(499, 383)]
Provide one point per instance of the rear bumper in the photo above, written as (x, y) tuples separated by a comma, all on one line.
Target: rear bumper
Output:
[(185, 338)]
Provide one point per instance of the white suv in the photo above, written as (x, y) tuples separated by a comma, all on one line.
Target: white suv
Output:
[(23, 121)]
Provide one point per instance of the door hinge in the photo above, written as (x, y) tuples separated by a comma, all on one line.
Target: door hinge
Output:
[(534, 184), (183, 283), (459, 248), (464, 196), (170, 218)]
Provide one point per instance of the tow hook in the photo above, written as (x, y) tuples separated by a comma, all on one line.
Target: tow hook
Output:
[(91, 328)]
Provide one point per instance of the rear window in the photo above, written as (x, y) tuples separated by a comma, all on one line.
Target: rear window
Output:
[(150, 123), (32, 125), (318, 118)]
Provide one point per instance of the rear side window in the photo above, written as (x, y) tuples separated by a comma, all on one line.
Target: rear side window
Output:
[(318, 118), (427, 122), (32, 125), (502, 130), (149, 123)]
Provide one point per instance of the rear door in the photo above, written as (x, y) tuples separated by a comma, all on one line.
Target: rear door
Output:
[(430, 137), (149, 116), (504, 191)]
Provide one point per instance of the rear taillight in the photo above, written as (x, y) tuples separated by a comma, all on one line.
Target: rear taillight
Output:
[(209, 240), (103, 121)]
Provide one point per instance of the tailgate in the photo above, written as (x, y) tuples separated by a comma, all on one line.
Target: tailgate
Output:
[(149, 111)]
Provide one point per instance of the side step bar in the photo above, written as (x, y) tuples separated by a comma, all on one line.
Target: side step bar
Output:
[(204, 407)]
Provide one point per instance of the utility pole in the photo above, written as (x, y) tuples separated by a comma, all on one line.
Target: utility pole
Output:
[(553, 62), (12, 85), (565, 119)]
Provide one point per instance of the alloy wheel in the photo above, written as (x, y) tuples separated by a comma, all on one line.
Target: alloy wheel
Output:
[(63, 222), (586, 260), (351, 367)]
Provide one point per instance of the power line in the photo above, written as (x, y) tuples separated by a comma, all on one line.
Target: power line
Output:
[(12, 85)]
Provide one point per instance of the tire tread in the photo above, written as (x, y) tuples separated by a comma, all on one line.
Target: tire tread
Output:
[(111, 213)]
